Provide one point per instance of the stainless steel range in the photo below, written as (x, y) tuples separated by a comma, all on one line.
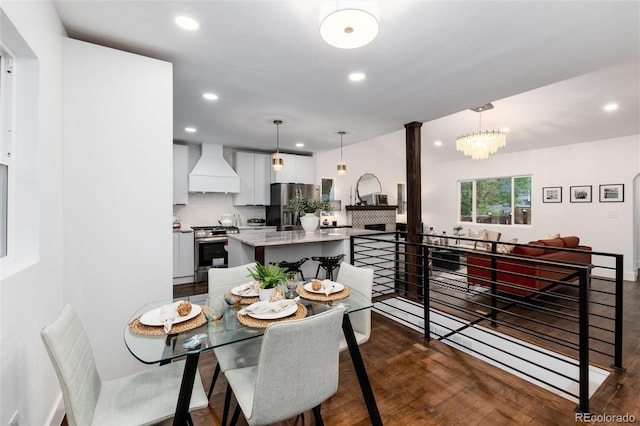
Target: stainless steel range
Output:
[(210, 248)]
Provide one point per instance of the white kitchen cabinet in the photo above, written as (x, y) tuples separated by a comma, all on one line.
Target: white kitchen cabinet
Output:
[(254, 172), (296, 169), (305, 169), (183, 257), (180, 174)]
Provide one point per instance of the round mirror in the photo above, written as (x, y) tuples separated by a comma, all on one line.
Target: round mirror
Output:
[(367, 188)]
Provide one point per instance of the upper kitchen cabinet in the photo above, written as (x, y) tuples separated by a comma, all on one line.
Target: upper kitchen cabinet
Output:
[(180, 174), (253, 170), (296, 169)]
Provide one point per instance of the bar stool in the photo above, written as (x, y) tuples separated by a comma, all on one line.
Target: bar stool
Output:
[(328, 263), (294, 266)]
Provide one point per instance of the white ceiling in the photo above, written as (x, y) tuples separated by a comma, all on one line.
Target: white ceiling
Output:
[(431, 61)]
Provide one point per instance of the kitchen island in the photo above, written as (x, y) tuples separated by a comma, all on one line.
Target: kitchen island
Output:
[(291, 246)]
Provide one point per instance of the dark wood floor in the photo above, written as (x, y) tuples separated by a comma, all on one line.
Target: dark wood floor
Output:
[(429, 383)]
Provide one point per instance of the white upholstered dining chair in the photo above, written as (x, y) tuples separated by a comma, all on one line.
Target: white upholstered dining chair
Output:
[(143, 398), (240, 354), (268, 393), (358, 279)]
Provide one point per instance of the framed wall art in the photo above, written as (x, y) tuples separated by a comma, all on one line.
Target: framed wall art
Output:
[(612, 193), (580, 194), (552, 194)]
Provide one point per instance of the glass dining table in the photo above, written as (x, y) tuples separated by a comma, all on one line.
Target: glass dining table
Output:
[(162, 349)]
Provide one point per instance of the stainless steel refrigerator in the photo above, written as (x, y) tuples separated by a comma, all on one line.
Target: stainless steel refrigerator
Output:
[(280, 195)]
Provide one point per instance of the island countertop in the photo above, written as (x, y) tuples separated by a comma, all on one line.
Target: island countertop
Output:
[(281, 238)]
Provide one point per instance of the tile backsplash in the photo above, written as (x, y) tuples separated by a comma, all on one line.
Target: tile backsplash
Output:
[(206, 209)]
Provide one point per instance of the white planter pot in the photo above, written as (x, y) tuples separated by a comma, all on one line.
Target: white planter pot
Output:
[(309, 222), (265, 293)]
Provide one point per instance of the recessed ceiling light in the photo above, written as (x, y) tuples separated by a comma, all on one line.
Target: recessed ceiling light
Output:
[(611, 107), (210, 96), (299, 144), (190, 129), (438, 143), (187, 23), (357, 76), (505, 130)]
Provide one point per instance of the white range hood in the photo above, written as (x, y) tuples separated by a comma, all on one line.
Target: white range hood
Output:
[(212, 173)]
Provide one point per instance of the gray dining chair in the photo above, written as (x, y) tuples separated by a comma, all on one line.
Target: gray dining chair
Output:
[(143, 398), (240, 354), (268, 393), (358, 279)]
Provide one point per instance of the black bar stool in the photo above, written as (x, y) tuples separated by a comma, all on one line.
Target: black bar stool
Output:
[(328, 263), (294, 266)]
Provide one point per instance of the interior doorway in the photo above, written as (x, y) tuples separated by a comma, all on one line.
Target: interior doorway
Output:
[(636, 224)]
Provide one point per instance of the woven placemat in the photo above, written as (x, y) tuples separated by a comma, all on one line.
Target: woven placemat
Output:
[(260, 323), (249, 300), (149, 330), (320, 297)]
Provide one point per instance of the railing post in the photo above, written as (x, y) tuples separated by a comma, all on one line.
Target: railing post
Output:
[(617, 357), (583, 337), (425, 285), (494, 284), (351, 250)]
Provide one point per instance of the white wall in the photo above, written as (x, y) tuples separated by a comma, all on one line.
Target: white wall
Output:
[(118, 153), (383, 156), (607, 227), (32, 286)]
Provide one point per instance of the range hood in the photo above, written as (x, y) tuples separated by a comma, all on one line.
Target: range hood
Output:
[(212, 173)]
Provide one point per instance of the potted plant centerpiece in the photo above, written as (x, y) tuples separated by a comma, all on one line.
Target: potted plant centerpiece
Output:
[(309, 210), (269, 277), (456, 232)]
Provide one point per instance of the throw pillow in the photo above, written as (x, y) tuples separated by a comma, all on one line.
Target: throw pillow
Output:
[(530, 251), (504, 248), (551, 237), (571, 242)]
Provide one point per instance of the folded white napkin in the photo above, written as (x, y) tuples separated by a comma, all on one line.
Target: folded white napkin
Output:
[(327, 286), (264, 306), (168, 314), (246, 289)]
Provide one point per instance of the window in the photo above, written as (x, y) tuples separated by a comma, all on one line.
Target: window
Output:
[(503, 201)]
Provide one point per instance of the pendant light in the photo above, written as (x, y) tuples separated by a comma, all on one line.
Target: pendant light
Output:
[(342, 166), (276, 161)]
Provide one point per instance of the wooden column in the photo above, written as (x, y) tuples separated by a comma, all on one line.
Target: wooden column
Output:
[(414, 207)]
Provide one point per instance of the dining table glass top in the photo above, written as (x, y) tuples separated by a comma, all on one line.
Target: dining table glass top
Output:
[(154, 349)]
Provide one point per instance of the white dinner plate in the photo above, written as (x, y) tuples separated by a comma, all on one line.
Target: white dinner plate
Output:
[(153, 316), (336, 288), (236, 292), (290, 310)]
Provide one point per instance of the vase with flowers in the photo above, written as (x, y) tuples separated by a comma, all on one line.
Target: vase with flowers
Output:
[(308, 209)]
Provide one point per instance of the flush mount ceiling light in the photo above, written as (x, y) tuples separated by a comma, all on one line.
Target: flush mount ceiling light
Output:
[(349, 28), (342, 166), (190, 129), (480, 144), (210, 96), (276, 161)]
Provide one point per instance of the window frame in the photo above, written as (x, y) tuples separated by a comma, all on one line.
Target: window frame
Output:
[(7, 113), (474, 213)]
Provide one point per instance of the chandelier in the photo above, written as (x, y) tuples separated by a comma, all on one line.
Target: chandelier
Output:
[(342, 166), (479, 145), (276, 161)]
